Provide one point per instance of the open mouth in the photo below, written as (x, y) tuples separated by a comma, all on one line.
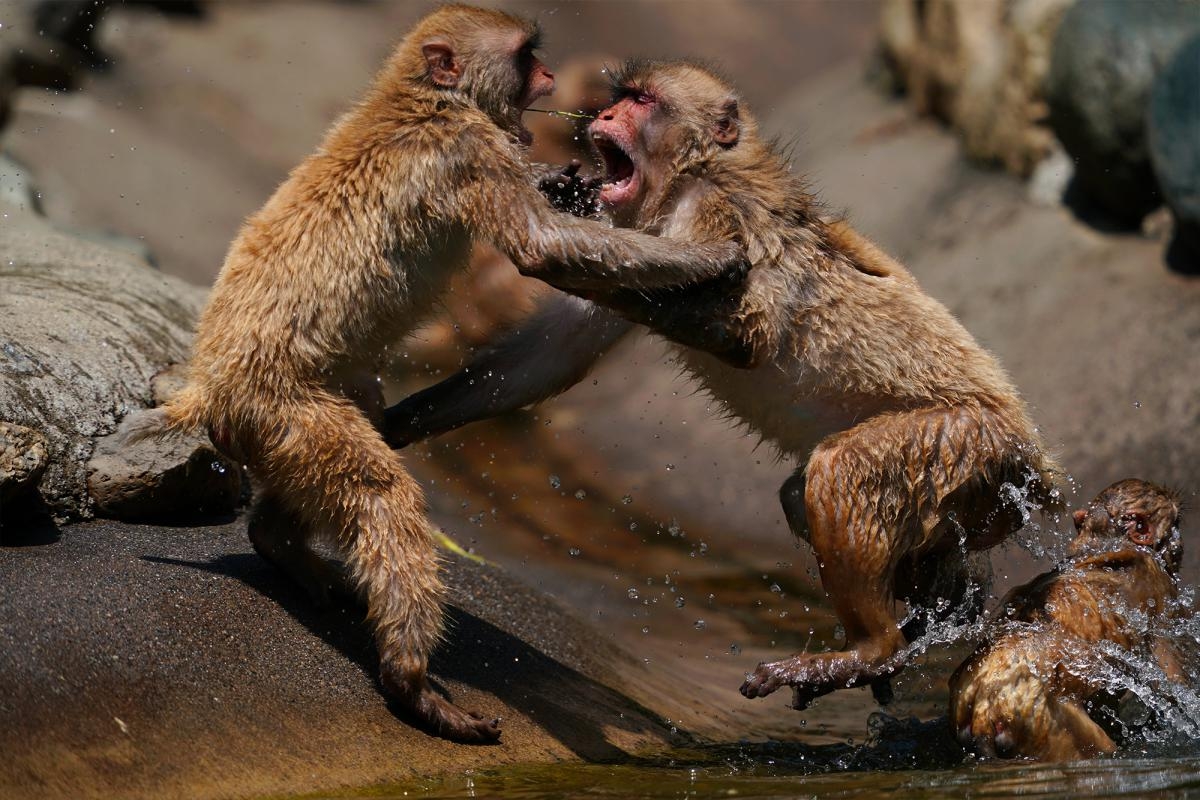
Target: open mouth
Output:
[(621, 179)]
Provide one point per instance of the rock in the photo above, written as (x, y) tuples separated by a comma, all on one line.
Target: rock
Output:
[(147, 662), (23, 459), (16, 187), (1106, 55), (83, 327), (1173, 127), (172, 478), (167, 383), (978, 65)]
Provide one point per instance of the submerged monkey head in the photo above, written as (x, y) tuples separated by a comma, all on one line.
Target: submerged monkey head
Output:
[(1132, 510)]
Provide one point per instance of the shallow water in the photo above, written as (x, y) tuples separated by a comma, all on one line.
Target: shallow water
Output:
[(774, 772)]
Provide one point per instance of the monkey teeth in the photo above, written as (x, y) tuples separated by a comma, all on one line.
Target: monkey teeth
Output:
[(621, 175)]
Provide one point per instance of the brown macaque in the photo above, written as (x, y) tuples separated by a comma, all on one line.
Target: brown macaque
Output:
[(1041, 685), (347, 256), (913, 441)]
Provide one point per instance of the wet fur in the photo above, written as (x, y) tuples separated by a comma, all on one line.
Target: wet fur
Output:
[(347, 256), (1033, 688)]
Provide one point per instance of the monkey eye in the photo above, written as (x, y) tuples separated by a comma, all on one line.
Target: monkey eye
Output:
[(1134, 523), (644, 98)]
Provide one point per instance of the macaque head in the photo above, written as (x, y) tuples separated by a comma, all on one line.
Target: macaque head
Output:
[(484, 55), (667, 119), (1136, 511)]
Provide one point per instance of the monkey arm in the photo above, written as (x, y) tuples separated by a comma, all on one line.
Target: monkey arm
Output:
[(549, 352), (573, 253), (704, 316)]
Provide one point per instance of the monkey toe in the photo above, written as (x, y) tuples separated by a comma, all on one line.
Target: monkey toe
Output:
[(437, 716)]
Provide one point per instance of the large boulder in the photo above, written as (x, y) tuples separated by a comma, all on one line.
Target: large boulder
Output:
[(1173, 126), (83, 328), (1105, 58)]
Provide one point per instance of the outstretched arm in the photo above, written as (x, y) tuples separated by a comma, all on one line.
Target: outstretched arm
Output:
[(551, 351)]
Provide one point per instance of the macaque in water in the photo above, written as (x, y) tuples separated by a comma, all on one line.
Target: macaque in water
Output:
[(1041, 685), (347, 256), (906, 429)]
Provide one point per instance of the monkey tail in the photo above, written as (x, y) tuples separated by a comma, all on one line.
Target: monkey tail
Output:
[(179, 416)]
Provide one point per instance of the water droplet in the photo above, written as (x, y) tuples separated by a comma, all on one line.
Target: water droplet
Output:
[(670, 467), (698, 625), (580, 494), (735, 649), (626, 500), (633, 594), (680, 602), (555, 482), (574, 552)]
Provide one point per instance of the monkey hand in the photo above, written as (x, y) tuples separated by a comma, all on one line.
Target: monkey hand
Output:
[(402, 425), (571, 192)]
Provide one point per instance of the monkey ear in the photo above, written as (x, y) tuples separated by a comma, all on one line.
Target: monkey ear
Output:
[(444, 68), (727, 128)]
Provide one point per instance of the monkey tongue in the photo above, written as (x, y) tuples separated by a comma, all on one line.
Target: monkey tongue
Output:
[(621, 180)]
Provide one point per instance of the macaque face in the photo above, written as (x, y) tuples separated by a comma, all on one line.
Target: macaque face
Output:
[(1134, 511), (666, 120), (498, 69), (625, 135), (536, 82)]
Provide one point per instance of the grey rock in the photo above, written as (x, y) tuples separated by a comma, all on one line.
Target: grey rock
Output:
[(173, 477), (1173, 125), (23, 459), (83, 327), (1105, 57)]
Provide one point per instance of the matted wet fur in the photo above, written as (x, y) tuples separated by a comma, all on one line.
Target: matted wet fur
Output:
[(916, 448), (346, 257), (1037, 687)]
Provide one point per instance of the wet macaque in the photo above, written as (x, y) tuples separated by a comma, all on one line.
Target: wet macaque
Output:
[(906, 429), (1041, 685), (353, 249)]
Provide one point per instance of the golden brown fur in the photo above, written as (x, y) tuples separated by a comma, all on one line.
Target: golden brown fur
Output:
[(907, 429), (347, 256), (1035, 688)]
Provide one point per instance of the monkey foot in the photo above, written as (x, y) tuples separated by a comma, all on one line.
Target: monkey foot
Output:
[(437, 716), (813, 676)]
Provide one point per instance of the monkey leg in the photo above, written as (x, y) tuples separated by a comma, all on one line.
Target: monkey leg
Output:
[(336, 471), (281, 537), (856, 556)]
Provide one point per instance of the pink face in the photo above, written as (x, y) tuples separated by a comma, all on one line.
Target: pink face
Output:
[(539, 81), (619, 136)]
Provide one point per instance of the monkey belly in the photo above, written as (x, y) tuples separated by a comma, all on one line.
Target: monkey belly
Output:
[(769, 401)]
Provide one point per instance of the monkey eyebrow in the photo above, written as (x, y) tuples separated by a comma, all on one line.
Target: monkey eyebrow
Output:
[(535, 41)]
